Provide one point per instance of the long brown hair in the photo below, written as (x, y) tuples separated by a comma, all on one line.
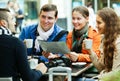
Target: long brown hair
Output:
[(112, 30)]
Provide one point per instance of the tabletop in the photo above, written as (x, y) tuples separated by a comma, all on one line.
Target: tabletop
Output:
[(76, 70)]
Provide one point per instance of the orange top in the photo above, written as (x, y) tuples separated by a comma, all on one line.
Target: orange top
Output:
[(84, 56)]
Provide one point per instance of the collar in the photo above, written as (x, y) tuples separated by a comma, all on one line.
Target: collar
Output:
[(5, 31)]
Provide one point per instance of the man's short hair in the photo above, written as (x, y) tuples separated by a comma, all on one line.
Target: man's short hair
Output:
[(49, 7), (3, 14)]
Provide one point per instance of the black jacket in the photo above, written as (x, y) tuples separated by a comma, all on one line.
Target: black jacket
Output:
[(13, 60)]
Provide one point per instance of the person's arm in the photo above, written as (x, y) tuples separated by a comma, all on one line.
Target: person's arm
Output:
[(28, 32), (92, 34), (69, 40), (96, 43), (95, 54), (23, 67), (22, 34), (20, 14), (98, 62), (85, 56), (80, 57), (114, 74), (116, 57)]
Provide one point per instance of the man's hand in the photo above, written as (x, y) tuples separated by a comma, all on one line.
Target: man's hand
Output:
[(41, 67), (49, 55), (46, 54)]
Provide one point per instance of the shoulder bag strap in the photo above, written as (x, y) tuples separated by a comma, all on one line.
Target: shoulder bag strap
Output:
[(60, 34)]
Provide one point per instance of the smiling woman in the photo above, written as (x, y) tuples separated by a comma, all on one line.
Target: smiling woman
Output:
[(81, 31), (108, 24)]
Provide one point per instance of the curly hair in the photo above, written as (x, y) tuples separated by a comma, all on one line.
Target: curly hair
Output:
[(112, 30)]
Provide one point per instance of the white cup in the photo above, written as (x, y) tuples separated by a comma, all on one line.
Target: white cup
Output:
[(28, 43), (33, 63), (88, 43)]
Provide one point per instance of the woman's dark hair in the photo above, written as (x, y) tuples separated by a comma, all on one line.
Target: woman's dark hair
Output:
[(82, 10)]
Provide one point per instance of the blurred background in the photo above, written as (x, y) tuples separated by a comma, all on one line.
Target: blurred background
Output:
[(31, 9)]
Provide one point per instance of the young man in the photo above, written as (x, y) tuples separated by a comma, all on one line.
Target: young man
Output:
[(46, 29), (13, 55)]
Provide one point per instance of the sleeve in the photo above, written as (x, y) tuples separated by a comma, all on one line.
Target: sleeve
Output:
[(96, 43), (25, 33), (98, 62), (116, 57), (22, 34), (84, 56), (26, 73), (114, 74), (69, 40)]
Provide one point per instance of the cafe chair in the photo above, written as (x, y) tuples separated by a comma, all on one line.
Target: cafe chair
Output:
[(5, 78), (57, 71)]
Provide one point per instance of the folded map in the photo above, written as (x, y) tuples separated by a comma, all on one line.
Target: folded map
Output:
[(54, 47)]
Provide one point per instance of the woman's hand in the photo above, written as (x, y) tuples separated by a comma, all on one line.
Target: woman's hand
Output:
[(73, 56), (86, 46)]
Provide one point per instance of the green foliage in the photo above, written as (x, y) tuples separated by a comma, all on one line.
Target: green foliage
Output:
[(113, 76)]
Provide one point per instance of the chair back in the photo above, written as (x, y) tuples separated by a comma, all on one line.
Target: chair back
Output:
[(5, 78), (60, 69)]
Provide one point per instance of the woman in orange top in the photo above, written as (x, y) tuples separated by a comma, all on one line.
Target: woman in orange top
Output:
[(80, 17)]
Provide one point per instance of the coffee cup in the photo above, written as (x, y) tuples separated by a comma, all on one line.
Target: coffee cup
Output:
[(28, 43), (33, 63), (88, 43)]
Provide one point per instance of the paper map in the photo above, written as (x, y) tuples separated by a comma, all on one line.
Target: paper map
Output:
[(55, 47)]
